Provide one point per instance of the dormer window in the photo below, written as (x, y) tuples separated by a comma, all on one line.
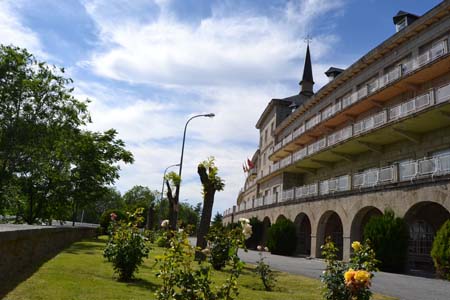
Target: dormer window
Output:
[(402, 19), (401, 24)]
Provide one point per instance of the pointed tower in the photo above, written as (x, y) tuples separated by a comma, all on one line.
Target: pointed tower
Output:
[(307, 82)]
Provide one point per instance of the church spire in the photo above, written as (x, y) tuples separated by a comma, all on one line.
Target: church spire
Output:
[(307, 80)]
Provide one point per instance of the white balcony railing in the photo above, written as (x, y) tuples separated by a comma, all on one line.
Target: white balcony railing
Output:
[(300, 154), (287, 139), (288, 195), (312, 122), (371, 87), (433, 97), (299, 131), (438, 165)]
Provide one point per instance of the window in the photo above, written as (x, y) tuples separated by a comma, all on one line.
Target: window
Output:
[(265, 136), (401, 24), (275, 193), (271, 128)]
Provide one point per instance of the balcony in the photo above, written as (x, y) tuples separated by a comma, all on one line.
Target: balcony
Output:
[(375, 93), (428, 167), (372, 132)]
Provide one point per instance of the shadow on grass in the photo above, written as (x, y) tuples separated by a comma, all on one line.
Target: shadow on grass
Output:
[(144, 284), (89, 247), (18, 276)]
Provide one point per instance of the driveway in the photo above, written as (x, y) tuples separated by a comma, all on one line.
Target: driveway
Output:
[(400, 286)]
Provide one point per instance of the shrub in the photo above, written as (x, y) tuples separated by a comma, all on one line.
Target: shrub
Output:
[(256, 238), (282, 239), (105, 219), (219, 246), (440, 251), (183, 278), (389, 237), (126, 247), (264, 271), (344, 281)]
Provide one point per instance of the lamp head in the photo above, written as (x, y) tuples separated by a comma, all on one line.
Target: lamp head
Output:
[(211, 115)]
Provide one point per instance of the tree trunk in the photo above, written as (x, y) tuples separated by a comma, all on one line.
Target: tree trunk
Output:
[(173, 206), (208, 202), (150, 217), (205, 219)]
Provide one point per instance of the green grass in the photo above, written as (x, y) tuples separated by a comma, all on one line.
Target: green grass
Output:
[(80, 272)]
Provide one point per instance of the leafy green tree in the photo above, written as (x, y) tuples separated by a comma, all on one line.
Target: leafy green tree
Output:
[(49, 166), (211, 182), (389, 237), (282, 239), (218, 220), (110, 199), (440, 251), (142, 196), (139, 196)]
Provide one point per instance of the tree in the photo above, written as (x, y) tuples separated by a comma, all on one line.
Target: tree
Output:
[(111, 199), (49, 165), (218, 220), (140, 196), (389, 237), (173, 181), (94, 166), (211, 182), (37, 111)]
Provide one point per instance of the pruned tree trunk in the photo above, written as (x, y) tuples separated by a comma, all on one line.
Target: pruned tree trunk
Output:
[(208, 202), (173, 206)]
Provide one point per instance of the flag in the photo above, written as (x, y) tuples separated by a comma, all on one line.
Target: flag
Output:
[(250, 164)]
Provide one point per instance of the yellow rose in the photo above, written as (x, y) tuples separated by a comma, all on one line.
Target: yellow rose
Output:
[(362, 276), (348, 276), (356, 246)]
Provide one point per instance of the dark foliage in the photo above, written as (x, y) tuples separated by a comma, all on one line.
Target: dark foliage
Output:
[(282, 239), (389, 238), (441, 251)]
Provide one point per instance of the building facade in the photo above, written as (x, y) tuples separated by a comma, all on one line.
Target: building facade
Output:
[(376, 137)]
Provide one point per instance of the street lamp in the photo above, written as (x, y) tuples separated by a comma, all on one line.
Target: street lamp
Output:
[(210, 115)]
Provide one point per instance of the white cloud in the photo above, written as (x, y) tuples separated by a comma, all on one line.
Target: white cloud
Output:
[(240, 49), (13, 32), (231, 64)]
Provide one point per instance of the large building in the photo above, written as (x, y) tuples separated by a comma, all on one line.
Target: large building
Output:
[(377, 136)]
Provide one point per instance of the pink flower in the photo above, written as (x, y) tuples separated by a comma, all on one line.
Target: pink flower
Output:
[(113, 216)]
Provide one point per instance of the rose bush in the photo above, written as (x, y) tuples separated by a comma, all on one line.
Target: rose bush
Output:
[(345, 281), (126, 247)]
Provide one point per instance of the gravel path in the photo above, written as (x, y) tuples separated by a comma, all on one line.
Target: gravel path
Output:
[(403, 287)]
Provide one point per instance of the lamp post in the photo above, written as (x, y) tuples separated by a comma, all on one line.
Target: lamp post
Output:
[(210, 115)]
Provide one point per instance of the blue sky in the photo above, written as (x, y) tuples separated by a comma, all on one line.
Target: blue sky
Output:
[(148, 65)]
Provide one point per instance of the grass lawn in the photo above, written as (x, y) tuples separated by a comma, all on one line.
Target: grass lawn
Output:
[(80, 272)]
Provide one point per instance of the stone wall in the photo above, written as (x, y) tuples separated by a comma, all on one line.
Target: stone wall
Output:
[(23, 250)]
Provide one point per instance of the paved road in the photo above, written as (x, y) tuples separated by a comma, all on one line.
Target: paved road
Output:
[(403, 287)]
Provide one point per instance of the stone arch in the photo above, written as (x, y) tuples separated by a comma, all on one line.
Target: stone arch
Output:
[(265, 230), (280, 217), (303, 232), (360, 220), (424, 219), (330, 224)]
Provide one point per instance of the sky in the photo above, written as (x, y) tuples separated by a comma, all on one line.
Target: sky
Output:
[(147, 66)]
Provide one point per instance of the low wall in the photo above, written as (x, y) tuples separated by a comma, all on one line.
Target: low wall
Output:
[(22, 251)]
